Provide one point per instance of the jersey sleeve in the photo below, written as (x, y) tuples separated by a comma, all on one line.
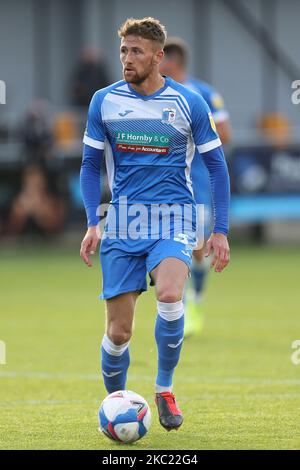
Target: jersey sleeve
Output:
[(94, 135), (203, 126), (90, 182)]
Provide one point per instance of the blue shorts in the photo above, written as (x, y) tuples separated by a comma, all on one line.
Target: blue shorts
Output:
[(125, 263)]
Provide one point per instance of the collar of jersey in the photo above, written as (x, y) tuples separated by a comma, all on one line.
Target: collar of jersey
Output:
[(150, 97)]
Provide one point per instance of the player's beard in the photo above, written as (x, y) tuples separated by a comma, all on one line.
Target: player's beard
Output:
[(139, 78)]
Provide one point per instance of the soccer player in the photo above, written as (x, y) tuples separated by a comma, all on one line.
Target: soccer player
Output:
[(149, 126), (175, 65)]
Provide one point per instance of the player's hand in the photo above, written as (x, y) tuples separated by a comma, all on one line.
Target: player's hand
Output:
[(89, 245), (217, 244)]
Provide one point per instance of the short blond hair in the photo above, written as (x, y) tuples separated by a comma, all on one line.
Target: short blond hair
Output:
[(147, 28)]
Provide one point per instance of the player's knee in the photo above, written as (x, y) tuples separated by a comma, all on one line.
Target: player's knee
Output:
[(169, 294), (119, 336)]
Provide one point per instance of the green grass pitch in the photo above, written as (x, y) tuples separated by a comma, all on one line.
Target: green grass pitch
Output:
[(236, 384)]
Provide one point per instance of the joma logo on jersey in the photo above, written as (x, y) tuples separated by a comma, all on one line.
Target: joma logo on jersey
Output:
[(127, 111), (168, 115)]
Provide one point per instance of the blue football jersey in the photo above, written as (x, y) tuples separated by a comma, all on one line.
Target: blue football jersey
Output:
[(199, 173), (150, 141), (212, 97)]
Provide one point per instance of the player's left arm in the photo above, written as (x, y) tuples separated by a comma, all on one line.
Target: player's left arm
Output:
[(209, 145)]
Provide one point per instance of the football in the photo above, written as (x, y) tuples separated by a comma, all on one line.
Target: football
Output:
[(124, 416)]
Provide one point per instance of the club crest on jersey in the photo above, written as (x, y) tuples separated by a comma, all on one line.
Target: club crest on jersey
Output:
[(168, 115)]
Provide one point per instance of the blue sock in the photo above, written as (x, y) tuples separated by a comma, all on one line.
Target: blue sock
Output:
[(199, 273), (169, 331), (115, 361)]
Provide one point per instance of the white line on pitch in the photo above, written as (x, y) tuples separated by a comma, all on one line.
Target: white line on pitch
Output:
[(8, 404), (148, 378)]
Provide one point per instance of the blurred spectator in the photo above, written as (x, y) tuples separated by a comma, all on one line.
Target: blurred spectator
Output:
[(65, 130), (3, 131), (36, 133), (35, 207), (89, 75), (276, 128)]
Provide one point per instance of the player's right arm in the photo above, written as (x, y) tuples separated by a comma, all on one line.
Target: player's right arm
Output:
[(221, 116), (90, 177)]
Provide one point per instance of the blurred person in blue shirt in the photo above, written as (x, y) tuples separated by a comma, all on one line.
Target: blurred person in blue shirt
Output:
[(175, 65)]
